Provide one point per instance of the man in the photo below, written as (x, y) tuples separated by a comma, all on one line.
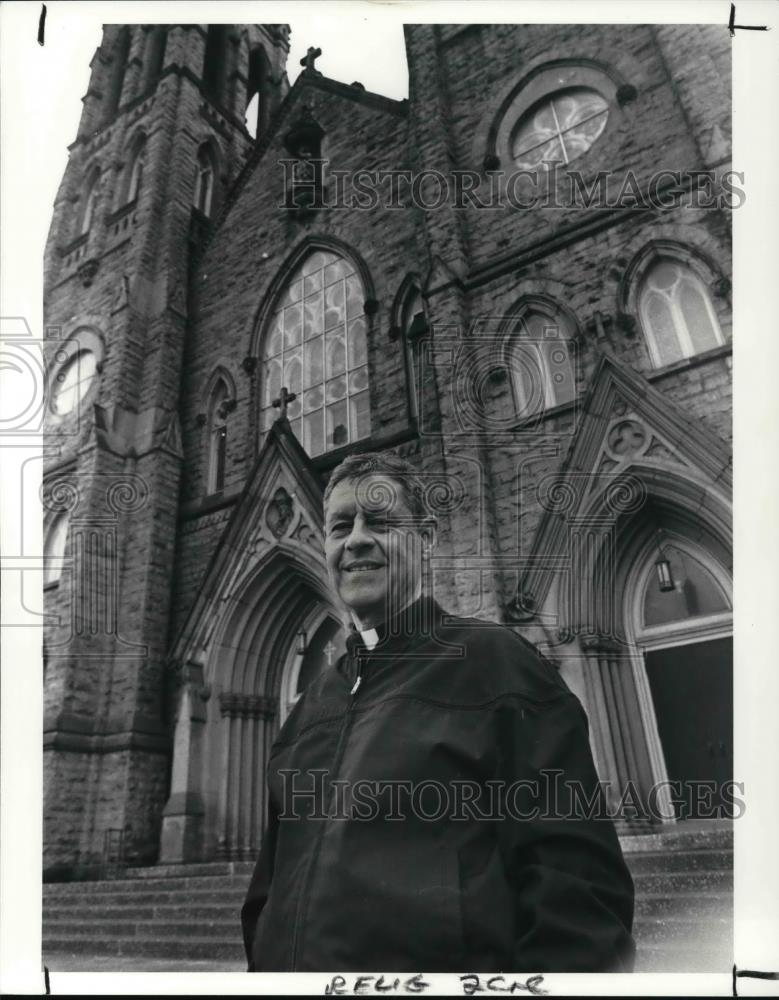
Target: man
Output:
[(413, 822)]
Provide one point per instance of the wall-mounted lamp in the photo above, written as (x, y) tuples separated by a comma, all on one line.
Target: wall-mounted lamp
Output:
[(665, 578)]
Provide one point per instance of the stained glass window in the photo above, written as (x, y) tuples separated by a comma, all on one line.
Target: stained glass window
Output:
[(540, 362), (559, 128), (677, 313), (316, 347)]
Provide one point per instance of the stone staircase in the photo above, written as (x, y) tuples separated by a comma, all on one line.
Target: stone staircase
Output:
[(185, 917)]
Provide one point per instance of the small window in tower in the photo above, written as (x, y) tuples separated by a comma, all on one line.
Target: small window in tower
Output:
[(54, 549), (214, 62), (154, 57), (73, 381), (90, 198), (220, 404), (204, 181), (136, 172), (412, 324), (559, 128), (252, 116), (256, 90)]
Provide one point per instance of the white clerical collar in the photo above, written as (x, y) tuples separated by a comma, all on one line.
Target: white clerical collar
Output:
[(370, 637)]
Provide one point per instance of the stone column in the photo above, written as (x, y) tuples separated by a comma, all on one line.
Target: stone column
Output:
[(241, 804), (615, 727), (182, 819)]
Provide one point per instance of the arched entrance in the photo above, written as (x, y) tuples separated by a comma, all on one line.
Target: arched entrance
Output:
[(278, 629), (260, 658), (680, 619), (656, 668)]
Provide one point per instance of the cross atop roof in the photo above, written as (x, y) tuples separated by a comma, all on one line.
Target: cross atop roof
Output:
[(285, 397), (310, 58)]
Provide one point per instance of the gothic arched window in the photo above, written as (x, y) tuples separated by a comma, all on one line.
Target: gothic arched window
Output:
[(215, 62), (136, 170), (256, 91), (539, 358), (154, 56), (676, 313), (113, 89), (204, 181), (218, 407), (54, 548), (316, 347), (90, 198)]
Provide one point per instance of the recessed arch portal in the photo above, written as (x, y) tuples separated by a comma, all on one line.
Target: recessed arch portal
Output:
[(652, 704), (249, 671)]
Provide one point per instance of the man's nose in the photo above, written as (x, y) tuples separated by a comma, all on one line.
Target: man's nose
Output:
[(359, 536)]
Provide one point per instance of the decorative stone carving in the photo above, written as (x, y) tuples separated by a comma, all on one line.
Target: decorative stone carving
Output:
[(627, 438), (87, 271), (657, 449), (278, 513), (619, 407)]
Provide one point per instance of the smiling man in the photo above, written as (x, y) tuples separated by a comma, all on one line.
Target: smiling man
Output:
[(416, 820)]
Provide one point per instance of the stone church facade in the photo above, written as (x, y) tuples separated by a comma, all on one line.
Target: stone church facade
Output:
[(231, 310)]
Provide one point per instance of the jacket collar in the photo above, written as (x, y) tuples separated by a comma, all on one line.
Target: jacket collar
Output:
[(413, 624)]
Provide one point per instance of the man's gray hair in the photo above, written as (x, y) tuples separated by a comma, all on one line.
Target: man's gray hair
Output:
[(388, 466)]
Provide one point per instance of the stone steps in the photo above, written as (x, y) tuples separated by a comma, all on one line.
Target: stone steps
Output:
[(191, 913)]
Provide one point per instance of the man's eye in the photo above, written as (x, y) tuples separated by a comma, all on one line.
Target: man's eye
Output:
[(339, 526)]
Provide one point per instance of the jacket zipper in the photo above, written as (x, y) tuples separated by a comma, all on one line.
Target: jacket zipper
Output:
[(302, 907)]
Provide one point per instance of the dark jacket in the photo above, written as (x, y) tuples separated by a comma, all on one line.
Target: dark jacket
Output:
[(406, 875)]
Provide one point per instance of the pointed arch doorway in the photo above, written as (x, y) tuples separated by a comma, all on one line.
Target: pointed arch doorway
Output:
[(283, 632), (280, 630), (657, 664), (681, 619)]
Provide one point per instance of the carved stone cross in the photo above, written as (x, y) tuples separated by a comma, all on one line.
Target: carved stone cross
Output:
[(310, 58), (329, 650), (285, 398)]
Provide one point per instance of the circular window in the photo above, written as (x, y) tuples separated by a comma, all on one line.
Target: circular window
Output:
[(559, 128), (73, 380)]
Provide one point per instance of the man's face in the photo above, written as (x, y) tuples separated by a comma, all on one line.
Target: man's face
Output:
[(373, 552)]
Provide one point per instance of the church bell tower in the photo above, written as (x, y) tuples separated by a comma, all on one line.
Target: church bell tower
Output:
[(169, 118)]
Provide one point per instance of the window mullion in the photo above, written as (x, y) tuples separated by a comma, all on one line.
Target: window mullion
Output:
[(559, 131), (680, 324)]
